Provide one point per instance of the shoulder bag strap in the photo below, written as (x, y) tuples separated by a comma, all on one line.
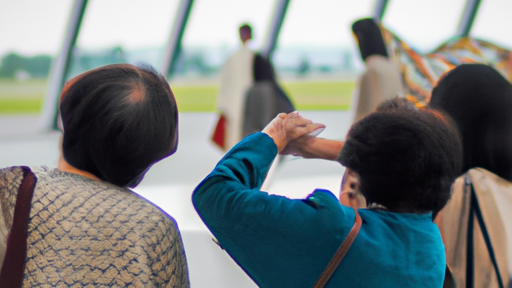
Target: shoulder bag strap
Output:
[(338, 256), (475, 209), (13, 266), (469, 235)]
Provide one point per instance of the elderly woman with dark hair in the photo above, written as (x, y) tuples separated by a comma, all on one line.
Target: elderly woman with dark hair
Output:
[(84, 227), (406, 159)]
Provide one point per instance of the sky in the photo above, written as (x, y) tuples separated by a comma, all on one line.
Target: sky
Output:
[(32, 27)]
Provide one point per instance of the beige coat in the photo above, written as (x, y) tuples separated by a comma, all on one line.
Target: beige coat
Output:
[(495, 199), (380, 81)]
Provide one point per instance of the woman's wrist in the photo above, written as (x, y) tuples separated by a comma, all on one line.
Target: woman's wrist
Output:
[(322, 148), (280, 143)]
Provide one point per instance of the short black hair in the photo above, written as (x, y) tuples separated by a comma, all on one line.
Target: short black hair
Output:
[(117, 121), (262, 69), (245, 29), (407, 158)]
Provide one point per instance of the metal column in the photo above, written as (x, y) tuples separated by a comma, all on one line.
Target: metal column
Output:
[(60, 67), (275, 27), (380, 9), (174, 43), (468, 17)]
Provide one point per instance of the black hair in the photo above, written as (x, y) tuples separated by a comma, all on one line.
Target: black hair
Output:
[(407, 158), (245, 29), (262, 69), (370, 38), (479, 100), (117, 121)]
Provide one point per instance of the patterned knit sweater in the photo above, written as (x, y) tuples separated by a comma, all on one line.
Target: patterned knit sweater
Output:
[(88, 233)]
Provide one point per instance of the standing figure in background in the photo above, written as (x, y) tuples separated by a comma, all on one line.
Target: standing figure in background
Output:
[(264, 99), (381, 79), (236, 78)]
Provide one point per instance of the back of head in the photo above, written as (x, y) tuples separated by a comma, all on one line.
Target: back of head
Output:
[(479, 100), (369, 38), (245, 32), (262, 69), (407, 158), (117, 121)]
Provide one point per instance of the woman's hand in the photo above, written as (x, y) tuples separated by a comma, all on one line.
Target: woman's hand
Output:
[(288, 127)]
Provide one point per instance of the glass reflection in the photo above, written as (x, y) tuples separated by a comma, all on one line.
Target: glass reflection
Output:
[(115, 31), (211, 34), (424, 25), (493, 23), (316, 38), (31, 33)]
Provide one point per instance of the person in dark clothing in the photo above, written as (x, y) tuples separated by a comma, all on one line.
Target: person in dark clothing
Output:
[(265, 98)]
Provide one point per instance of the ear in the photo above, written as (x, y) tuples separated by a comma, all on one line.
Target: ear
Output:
[(349, 192)]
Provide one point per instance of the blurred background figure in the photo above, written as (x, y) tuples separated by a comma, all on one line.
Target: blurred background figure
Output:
[(236, 78), (249, 94), (380, 80), (264, 99)]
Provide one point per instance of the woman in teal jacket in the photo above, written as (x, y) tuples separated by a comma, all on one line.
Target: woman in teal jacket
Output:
[(406, 160)]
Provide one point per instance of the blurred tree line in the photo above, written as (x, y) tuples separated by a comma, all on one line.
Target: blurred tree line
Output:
[(14, 65)]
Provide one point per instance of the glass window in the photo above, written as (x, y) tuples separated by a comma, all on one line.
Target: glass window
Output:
[(130, 31), (424, 25), (493, 22), (211, 34), (317, 57), (316, 37), (31, 33)]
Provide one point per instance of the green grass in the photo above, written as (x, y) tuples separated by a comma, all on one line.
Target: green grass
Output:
[(305, 95), (195, 98), (20, 106), (21, 97), (18, 97), (320, 95)]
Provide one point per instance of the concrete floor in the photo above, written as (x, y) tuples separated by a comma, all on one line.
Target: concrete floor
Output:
[(170, 182)]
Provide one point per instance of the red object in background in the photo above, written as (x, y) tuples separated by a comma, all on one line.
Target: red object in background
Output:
[(219, 133)]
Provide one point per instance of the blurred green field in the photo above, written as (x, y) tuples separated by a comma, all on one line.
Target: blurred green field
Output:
[(26, 97), (21, 97)]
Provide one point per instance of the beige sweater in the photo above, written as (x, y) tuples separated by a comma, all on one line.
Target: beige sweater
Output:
[(494, 195), (87, 233)]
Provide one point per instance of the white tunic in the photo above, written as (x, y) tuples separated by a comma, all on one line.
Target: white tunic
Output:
[(236, 78)]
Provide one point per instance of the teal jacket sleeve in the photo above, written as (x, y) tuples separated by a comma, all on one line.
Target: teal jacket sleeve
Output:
[(269, 236)]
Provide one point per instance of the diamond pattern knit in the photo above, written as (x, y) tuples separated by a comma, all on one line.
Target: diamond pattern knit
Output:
[(87, 233)]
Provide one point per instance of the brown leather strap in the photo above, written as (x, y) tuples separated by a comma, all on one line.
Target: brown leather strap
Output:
[(13, 266), (338, 256)]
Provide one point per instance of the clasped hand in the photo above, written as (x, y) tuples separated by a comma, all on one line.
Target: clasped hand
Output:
[(286, 129)]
